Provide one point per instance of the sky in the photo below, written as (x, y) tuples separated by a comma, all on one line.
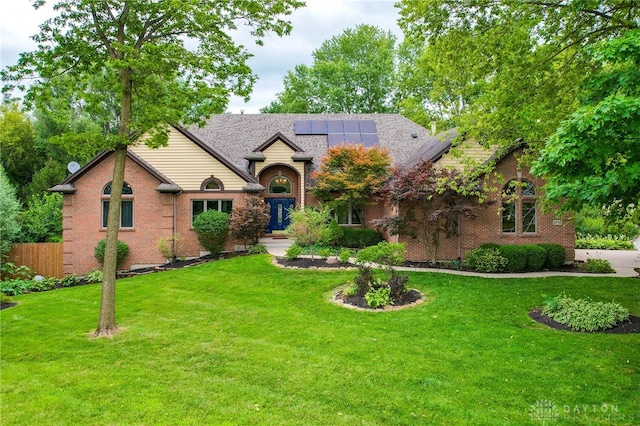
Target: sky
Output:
[(312, 25)]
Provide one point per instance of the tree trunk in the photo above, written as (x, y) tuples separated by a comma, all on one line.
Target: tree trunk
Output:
[(107, 322)]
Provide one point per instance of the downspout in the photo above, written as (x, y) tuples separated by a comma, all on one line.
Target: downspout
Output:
[(175, 224), (459, 238)]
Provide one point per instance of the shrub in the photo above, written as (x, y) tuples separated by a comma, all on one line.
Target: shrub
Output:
[(44, 284), (293, 252), (345, 255), (598, 266), (378, 297), (384, 253), (15, 286), (4, 298), (9, 214), (170, 247), (485, 260), (516, 257), (324, 252), (363, 280), (42, 220), (308, 225), (536, 256), (212, 227), (95, 276), (350, 290), (69, 281), (247, 223), (333, 234), (584, 314), (257, 249), (489, 246), (397, 286), (9, 270), (556, 255), (122, 252), (359, 238), (608, 242)]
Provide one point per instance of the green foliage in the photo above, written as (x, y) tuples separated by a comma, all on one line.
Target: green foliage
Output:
[(607, 242), (485, 260), (333, 234), (171, 247), (4, 298), (45, 284), (345, 255), (95, 276), (249, 221), (397, 286), (556, 255), (257, 249), (516, 257), (15, 286), (293, 252), (351, 73), (122, 251), (536, 257), (384, 253), (9, 213), (600, 223), (9, 270), (359, 237), (69, 280), (307, 226), (598, 266), (50, 175), (584, 314), (351, 290), (489, 246), (212, 228), (324, 252), (42, 220), (379, 297), (363, 280)]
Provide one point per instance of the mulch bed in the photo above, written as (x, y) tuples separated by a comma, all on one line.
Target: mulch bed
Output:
[(409, 298), (7, 305), (632, 325), (304, 262)]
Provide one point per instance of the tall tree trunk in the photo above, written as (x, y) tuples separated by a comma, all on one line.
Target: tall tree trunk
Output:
[(107, 321)]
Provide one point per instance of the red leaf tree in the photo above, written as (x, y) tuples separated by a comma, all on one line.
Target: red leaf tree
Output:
[(430, 202)]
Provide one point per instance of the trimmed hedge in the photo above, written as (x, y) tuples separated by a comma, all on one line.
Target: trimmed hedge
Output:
[(358, 238), (485, 260), (556, 255), (122, 251), (516, 257), (536, 256)]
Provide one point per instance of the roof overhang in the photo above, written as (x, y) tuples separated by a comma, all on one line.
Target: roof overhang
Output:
[(63, 188)]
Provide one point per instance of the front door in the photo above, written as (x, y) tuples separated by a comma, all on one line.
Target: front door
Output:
[(279, 209)]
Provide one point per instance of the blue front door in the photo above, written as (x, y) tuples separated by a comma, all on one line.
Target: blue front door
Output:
[(279, 209)]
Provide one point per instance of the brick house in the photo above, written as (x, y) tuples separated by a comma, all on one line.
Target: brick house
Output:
[(273, 155)]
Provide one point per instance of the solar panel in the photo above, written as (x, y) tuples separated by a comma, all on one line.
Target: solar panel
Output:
[(302, 127), (335, 126), (340, 131), (335, 139), (352, 138), (367, 126), (319, 127), (351, 126), (369, 139)]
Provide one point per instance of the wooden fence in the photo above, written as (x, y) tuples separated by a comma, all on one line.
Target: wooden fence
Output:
[(42, 258)]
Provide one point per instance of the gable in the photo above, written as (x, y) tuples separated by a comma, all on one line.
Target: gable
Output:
[(187, 163), (279, 152)]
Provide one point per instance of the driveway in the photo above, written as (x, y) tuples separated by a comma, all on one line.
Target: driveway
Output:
[(623, 261)]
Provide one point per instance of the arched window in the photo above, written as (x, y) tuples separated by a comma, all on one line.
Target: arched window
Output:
[(280, 185), (126, 205), (519, 212), (212, 184)]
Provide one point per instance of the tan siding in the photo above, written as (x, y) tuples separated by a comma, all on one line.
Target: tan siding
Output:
[(468, 153), (187, 164), (280, 153)]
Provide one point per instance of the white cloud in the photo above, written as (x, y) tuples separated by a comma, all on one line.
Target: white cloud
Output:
[(313, 24)]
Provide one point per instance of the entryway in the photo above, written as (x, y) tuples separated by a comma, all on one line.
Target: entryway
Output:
[(279, 209)]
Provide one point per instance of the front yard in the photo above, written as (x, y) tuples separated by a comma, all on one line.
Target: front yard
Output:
[(240, 341)]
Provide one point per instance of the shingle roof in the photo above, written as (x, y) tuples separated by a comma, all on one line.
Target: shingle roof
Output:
[(238, 135)]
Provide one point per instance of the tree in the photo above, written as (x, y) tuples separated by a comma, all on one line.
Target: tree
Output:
[(351, 73), (9, 211), (21, 158), (507, 69), (593, 159), (42, 220), (249, 221), (163, 62), (349, 175), (430, 202)]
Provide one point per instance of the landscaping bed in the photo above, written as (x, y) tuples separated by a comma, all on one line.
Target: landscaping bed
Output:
[(630, 326)]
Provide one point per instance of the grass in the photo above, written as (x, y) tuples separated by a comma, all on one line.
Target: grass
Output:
[(240, 341)]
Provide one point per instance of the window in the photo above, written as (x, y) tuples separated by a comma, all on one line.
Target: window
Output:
[(199, 206), (519, 211), (212, 184), (280, 185), (346, 215), (126, 206)]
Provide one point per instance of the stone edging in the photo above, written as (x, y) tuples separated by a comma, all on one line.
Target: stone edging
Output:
[(388, 308)]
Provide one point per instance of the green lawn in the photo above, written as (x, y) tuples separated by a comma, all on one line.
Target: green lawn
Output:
[(240, 341)]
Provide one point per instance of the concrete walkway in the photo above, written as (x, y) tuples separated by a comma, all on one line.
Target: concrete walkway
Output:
[(623, 261)]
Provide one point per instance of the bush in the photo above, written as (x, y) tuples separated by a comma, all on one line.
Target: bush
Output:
[(95, 276), (384, 253), (122, 252), (212, 227), (170, 247), (608, 242), (257, 249), (485, 260), (397, 286), (247, 223), (516, 257), (378, 297), (9, 213), (363, 280), (489, 246), (15, 286), (584, 314), (345, 255), (293, 252), (333, 234), (359, 238), (350, 290), (69, 281), (44, 284), (9, 270), (324, 252), (308, 225), (536, 256), (556, 255), (598, 266)]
